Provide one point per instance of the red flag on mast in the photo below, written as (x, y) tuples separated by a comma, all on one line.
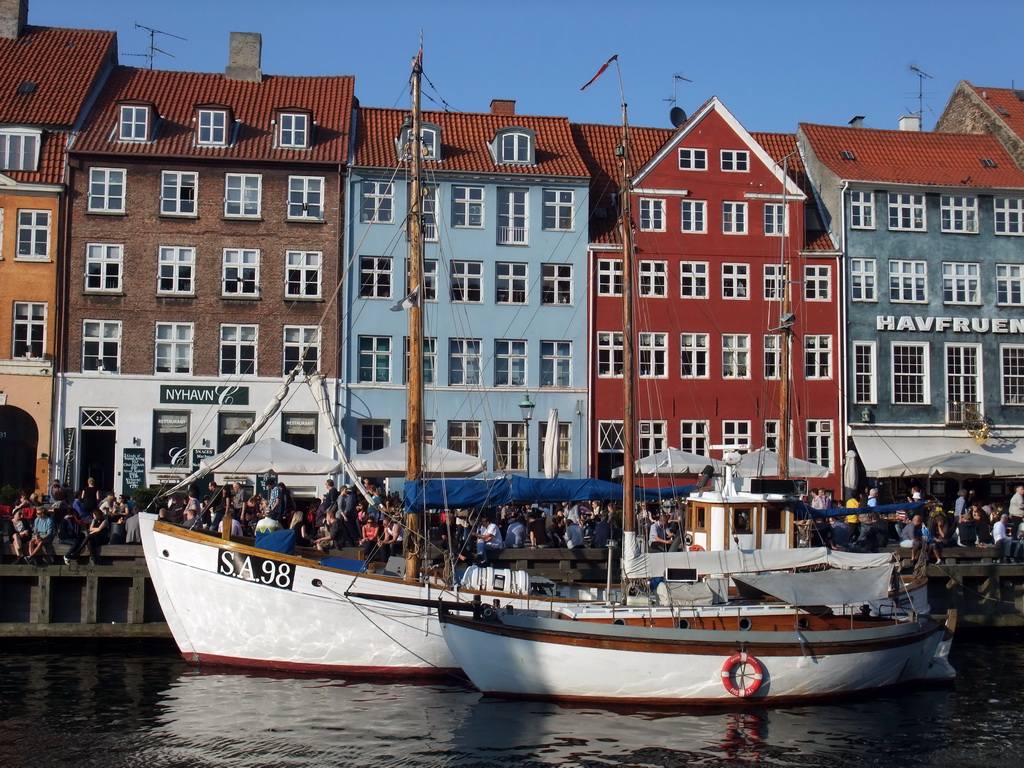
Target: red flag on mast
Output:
[(600, 72)]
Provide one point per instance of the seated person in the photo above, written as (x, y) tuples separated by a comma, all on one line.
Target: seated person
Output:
[(515, 537), (488, 537), (573, 535), (43, 531), (370, 539), (21, 534)]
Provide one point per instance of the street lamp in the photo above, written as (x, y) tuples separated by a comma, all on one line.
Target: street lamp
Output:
[(526, 408)]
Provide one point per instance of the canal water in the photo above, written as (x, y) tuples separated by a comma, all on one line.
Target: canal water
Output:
[(141, 705)]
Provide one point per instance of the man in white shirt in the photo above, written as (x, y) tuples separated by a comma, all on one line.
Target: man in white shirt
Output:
[(488, 536), (1017, 504), (1001, 538)]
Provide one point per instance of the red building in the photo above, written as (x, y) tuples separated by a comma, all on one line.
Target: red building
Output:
[(719, 217)]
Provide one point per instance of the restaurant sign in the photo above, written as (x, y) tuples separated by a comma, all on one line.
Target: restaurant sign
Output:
[(226, 395)]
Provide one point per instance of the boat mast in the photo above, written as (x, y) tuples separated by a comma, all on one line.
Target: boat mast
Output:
[(785, 337), (628, 361), (414, 412)]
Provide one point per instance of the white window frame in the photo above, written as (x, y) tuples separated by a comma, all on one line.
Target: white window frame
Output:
[(817, 357), (212, 128), (865, 373), (694, 355), (558, 210), (33, 235), (375, 278), (693, 279), (429, 359), (174, 346), (19, 149), (28, 330), (776, 219), (652, 214), (770, 434), (609, 436), (693, 216), (240, 278), (464, 436), (817, 282), (377, 204), (862, 209), (133, 122), (820, 442), (923, 376), (103, 334), (734, 217), (961, 283), (107, 190), (609, 277), (556, 285), (513, 216), (293, 130), (374, 434), (1010, 285), (556, 363), (652, 355), (735, 160), (609, 354), (243, 195), (964, 379), (176, 271), (467, 282), (515, 148), (465, 362), (467, 206), (694, 436), (510, 362), (302, 274), (907, 212), (428, 283), (735, 355), (651, 437), (373, 365), (511, 282), (735, 281), (863, 279), (510, 446), (772, 360), (242, 338), (1011, 374), (305, 198), (735, 432), (1008, 216), (958, 214), (175, 199), (693, 159), (652, 279), (774, 276), (908, 281), (104, 268)]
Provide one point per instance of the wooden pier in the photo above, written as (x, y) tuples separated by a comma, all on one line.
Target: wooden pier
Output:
[(116, 599)]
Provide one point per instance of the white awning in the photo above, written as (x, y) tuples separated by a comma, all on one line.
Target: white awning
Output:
[(879, 453)]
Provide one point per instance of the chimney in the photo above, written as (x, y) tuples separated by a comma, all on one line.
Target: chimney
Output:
[(244, 52), (503, 106), (13, 18), (857, 122), (910, 123)]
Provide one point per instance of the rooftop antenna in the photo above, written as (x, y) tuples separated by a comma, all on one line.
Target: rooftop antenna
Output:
[(921, 75), (153, 50), (677, 115)]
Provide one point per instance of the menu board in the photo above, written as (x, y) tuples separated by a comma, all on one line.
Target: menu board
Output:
[(133, 470)]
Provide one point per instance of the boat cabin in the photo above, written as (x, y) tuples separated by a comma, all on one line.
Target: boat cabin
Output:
[(744, 521)]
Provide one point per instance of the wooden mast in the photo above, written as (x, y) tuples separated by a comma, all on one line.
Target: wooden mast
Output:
[(628, 360), (414, 408), (785, 337)]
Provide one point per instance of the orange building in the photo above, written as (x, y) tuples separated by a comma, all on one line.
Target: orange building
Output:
[(48, 77)]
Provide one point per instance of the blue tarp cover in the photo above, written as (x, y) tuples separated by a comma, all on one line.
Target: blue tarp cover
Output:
[(474, 494), (803, 511), (281, 541)]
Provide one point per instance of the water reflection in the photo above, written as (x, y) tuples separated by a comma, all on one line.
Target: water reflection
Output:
[(140, 705)]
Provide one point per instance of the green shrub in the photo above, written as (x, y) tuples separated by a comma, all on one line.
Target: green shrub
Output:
[(144, 496), (9, 495)]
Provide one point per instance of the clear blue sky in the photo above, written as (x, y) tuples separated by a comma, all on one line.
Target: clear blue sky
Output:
[(773, 63)]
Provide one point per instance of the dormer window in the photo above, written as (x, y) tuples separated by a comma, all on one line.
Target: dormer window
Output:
[(430, 142), (212, 127), (515, 147), (293, 130), (19, 150), (134, 124)]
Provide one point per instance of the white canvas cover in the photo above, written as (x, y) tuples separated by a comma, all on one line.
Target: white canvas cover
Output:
[(438, 461), (819, 588), (764, 462), (637, 564), (961, 462), (272, 455)]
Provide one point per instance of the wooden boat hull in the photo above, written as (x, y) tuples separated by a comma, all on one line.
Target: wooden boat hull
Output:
[(532, 657)]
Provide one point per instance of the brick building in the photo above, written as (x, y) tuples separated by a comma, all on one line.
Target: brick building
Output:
[(206, 218)]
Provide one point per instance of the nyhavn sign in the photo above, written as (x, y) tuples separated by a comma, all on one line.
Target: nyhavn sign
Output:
[(226, 395)]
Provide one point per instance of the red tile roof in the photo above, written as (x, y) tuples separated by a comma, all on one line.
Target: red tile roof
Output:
[(914, 157), (63, 63), (597, 144), (464, 138), (1012, 107), (175, 95)]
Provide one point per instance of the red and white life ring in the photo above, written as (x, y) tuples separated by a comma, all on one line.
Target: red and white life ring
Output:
[(734, 667), (696, 548)]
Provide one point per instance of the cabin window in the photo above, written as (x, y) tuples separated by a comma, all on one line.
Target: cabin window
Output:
[(741, 519), (699, 519), (773, 520)]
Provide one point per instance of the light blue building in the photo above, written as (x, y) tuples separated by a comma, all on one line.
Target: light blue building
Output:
[(932, 230), (505, 299)]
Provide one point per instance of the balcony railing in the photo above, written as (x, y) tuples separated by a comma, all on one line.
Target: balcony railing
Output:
[(962, 413)]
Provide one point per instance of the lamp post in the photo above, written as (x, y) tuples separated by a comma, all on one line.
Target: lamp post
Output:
[(526, 408)]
